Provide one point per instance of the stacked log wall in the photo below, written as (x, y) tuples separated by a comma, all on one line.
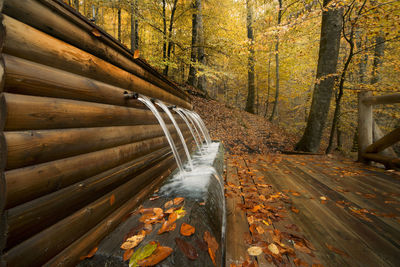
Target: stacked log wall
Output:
[(76, 154)]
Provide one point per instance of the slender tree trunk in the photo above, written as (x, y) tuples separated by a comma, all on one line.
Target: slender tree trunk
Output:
[(76, 5), (134, 26), (327, 61), (268, 86), (378, 57), (164, 14), (193, 54), (170, 42), (201, 83), (250, 81), (276, 102), (119, 20)]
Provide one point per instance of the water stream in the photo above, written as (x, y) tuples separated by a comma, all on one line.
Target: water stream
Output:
[(197, 122), (193, 123), (154, 110), (189, 126), (178, 130)]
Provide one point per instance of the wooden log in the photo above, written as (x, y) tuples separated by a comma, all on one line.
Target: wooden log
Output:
[(31, 182), (34, 113), (28, 43), (44, 211), (382, 99), (26, 148), (81, 247), (384, 142), (76, 30), (390, 163), (48, 243), (365, 124), (30, 78)]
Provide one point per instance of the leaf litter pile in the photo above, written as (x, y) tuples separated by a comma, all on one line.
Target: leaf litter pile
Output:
[(150, 253)]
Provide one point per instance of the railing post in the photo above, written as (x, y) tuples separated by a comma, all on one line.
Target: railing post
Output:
[(365, 124)]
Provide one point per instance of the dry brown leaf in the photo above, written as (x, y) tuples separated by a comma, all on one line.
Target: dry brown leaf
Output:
[(294, 209), (299, 262), (133, 241), (187, 229), (112, 199), (187, 249), (168, 204), (96, 32), (178, 200), (127, 254), (160, 254), (90, 254), (273, 248), (212, 245), (254, 251)]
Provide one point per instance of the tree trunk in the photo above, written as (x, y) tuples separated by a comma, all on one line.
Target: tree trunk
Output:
[(268, 86), (76, 5), (327, 61), (378, 57), (164, 14), (170, 42), (193, 54), (134, 26), (201, 83), (250, 81), (275, 107), (119, 20)]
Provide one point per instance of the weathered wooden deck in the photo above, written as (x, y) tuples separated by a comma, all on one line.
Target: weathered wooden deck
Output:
[(316, 210)]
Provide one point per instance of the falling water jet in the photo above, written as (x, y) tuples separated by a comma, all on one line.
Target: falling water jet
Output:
[(178, 130), (145, 100), (193, 123), (190, 128), (189, 114), (204, 126)]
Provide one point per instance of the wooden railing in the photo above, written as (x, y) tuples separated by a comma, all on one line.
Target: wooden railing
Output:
[(372, 145)]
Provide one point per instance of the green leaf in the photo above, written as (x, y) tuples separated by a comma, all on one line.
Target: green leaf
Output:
[(142, 253)]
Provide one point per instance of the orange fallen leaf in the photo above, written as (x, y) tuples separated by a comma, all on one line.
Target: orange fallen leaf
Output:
[(295, 194), (96, 32), (112, 199), (294, 209), (136, 54), (299, 262), (127, 254), (169, 225), (90, 254), (178, 200), (133, 241), (187, 229), (160, 254), (212, 245), (168, 204)]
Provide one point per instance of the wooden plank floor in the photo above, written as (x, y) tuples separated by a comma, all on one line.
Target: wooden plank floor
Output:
[(314, 209)]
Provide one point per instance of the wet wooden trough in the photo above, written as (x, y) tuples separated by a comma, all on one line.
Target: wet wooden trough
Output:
[(76, 153)]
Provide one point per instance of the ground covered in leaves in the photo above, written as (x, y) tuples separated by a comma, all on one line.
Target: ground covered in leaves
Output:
[(240, 131)]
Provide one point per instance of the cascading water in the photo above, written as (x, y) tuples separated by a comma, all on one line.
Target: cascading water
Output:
[(193, 123), (195, 119), (189, 126), (154, 110), (178, 130), (204, 126)]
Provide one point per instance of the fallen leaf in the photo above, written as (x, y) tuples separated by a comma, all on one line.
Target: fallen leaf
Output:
[(254, 251), (250, 220), (96, 32), (160, 254), (180, 213), (136, 54), (336, 250), (90, 254), (256, 208), (142, 253), (260, 230), (299, 262), (202, 203), (178, 200), (132, 242), (127, 254), (302, 248), (201, 244), (294, 209), (169, 225), (187, 249), (154, 198), (168, 204), (322, 198), (187, 229), (112, 199), (212, 245), (273, 248), (296, 194)]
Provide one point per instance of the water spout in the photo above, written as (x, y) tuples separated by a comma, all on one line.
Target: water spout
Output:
[(166, 110), (189, 126), (193, 123), (154, 110), (197, 121)]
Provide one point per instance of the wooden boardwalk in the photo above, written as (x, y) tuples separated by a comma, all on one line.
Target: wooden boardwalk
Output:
[(311, 211)]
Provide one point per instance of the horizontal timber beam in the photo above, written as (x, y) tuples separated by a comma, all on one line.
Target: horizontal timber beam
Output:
[(31, 44), (388, 162), (382, 99), (385, 142)]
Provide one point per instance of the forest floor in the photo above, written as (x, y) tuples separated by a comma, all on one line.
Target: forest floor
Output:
[(300, 210)]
